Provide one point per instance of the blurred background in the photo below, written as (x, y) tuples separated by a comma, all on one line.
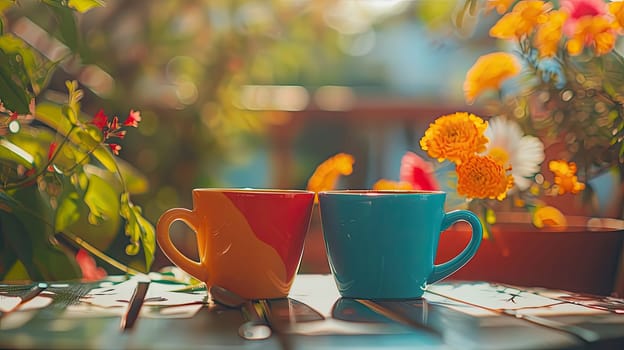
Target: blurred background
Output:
[(256, 93)]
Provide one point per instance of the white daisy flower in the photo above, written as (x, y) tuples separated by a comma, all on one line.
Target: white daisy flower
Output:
[(508, 143)]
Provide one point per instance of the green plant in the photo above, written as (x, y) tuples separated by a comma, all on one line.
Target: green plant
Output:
[(59, 177)]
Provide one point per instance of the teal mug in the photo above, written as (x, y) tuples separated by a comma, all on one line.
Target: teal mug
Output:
[(382, 244)]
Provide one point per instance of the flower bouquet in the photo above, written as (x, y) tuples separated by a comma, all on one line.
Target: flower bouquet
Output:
[(561, 78)]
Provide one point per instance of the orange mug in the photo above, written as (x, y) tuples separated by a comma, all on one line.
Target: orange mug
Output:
[(250, 241)]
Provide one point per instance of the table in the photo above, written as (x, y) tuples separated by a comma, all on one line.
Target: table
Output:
[(452, 315)]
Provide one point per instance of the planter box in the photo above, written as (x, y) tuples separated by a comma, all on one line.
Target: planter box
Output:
[(583, 258)]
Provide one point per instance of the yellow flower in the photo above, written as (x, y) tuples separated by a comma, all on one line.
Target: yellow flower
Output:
[(483, 177), (616, 8), (326, 174), (507, 27), (549, 217), (500, 5), (384, 184), (592, 31), (488, 73), (565, 176), (525, 17), (549, 34), (455, 137)]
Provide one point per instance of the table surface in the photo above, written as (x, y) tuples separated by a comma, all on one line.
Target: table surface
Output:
[(451, 315)]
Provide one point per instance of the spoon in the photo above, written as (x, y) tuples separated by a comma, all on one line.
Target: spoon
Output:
[(255, 328), (226, 297)]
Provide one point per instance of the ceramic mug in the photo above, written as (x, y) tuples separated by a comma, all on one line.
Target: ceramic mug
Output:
[(250, 241), (382, 244)]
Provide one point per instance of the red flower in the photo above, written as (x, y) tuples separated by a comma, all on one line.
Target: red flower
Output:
[(418, 172), (13, 116), (100, 120), (114, 125), (115, 148), (51, 150), (90, 271), (134, 117)]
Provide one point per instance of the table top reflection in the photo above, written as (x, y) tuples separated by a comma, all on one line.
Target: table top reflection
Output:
[(452, 315)]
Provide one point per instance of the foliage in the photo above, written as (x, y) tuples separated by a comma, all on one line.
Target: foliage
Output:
[(59, 178)]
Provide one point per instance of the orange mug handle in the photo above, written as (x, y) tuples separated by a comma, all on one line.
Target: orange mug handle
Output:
[(196, 269)]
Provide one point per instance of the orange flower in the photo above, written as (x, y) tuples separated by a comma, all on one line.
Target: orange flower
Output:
[(549, 34), (326, 174), (455, 137), (500, 5), (483, 177), (549, 217), (616, 8), (507, 27), (384, 184), (522, 21), (489, 72), (565, 176), (596, 32)]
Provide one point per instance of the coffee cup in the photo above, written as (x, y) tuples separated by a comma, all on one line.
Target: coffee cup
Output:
[(382, 244), (249, 241)]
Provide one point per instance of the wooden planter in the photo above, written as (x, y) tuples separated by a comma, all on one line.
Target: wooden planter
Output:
[(586, 257)]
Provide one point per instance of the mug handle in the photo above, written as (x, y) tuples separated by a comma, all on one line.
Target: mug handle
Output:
[(163, 237), (445, 269)]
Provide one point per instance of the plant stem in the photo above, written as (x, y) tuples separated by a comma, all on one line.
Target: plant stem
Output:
[(98, 253)]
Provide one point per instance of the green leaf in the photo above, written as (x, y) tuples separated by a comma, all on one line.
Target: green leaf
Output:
[(14, 96), (8, 258), (100, 202), (85, 5), (17, 272), (147, 239), (52, 115), (27, 226), (5, 4), (138, 229), (87, 195), (15, 46), (78, 5), (67, 212), (102, 199), (10, 152), (105, 157), (21, 73)]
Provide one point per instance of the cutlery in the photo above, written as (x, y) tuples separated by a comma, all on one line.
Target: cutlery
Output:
[(226, 297), (288, 310), (255, 328), (28, 295), (134, 306), (387, 309)]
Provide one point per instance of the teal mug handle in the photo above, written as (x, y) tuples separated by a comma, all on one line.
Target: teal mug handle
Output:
[(445, 269)]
